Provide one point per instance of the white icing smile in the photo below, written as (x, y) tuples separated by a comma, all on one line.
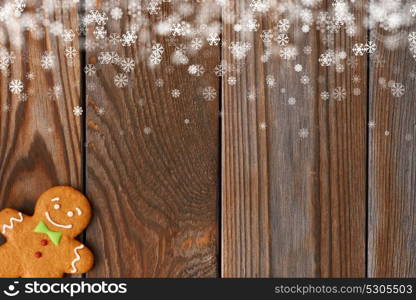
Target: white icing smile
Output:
[(56, 224)]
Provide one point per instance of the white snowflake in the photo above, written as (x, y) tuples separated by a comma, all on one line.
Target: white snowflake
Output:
[(127, 64), (196, 43), (303, 133), (260, 5), (158, 49), (291, 100), (175, 93), (213, 39), (371, 124), (177, 29), (23, 97), (221, 69), (68, 35), (90, 70), (78, 111), (413, 10), (114, 38), (412, 37), (359, 49), (325, 95), (155, 58), (252, 24), (270, 80), (100, 33), (239, 49), (116, 13), (282, 39), (339, 93), (128, 38), (159, 82), (356, 91), (298, 68), (232, 80), (47, 61), (196, 70), (283, 25), (305, 80), (209, 93), (397, 89), (147, 130), (370, 47), (288, 53), (70, 52), (16, 86), (267, 36), (101, 111)]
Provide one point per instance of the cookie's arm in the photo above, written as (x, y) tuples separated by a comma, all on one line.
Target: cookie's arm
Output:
[(81, 260), (8, 220)]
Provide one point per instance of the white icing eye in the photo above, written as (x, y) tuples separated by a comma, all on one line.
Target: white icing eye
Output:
[(57, 206), (79, 212), (70, 214)]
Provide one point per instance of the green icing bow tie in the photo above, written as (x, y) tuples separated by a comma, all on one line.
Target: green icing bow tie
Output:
[(53, 235)]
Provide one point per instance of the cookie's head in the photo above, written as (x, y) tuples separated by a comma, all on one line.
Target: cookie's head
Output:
[(64, 209)]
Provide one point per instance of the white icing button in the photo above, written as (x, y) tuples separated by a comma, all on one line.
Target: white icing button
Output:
[(69, 213), (57, 206)]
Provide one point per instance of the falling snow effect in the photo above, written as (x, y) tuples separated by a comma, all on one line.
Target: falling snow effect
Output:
[(185, 38)]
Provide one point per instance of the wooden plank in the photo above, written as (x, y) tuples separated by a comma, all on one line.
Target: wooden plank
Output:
[(292, 206), (40, 138), (392, 159), (152, 159)]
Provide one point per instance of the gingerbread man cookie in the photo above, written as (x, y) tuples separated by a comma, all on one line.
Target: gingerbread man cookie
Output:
[(44, 245)]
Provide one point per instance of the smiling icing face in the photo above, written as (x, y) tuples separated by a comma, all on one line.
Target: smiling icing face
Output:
[(65, 210)]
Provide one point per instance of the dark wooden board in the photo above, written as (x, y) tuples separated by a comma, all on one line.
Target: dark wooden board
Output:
[(40, 138), (292, 207), (152, 164)]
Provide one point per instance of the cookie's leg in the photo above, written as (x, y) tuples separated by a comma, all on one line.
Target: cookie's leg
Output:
[(9, 266)]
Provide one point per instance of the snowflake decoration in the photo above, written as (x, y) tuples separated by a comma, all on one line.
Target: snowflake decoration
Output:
[(209, 93), (232, 80), (303, 133), (359, 49), (16, 86), (127, 64), (175, 93), (128, 38), (78, 111), (339, 93), (121, 80), (196, 70), (283, 25), (397, 89), (47, 61), (90, 70), (70, 52), (116, 13)]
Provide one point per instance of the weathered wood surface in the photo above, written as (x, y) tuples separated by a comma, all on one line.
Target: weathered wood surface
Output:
[(40, 139), (292, 207), (392, 161), (152, 166)]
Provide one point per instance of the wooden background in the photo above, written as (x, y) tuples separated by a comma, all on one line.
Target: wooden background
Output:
[(191, 188)]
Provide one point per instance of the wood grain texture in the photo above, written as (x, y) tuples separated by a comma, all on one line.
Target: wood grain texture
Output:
[(392, 161), (40, 139), (152, 165), (293, 207)]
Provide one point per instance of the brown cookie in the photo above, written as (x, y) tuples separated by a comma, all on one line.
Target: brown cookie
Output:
[(44, 245)]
